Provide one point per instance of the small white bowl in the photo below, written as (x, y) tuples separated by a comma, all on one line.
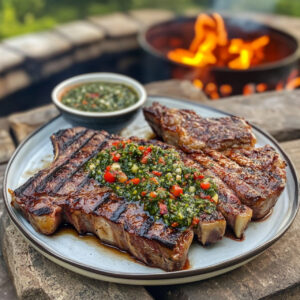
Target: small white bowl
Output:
[(111, 121)]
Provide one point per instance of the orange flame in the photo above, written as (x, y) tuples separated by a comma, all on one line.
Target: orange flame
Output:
[(211, 46)]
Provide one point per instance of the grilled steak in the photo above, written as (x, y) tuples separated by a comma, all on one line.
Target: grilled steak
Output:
[(190, 132), (64, 193), (252, 176)]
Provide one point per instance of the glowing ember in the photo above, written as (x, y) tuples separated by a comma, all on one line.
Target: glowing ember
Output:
[(211, 46)]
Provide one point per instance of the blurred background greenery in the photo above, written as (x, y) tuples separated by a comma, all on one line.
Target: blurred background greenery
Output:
[(23, 16)]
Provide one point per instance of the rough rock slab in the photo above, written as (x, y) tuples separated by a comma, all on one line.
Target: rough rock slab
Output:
[(275, 274), (148, 17), (276, 112), (176, 89), (24, 123), (85, 32), (39, 45), (7, 146), (116, 25), (9, 59), (7, 290), (87, 40), (35, 277)]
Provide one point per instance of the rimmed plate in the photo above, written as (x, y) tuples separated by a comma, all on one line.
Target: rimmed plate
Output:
[(102, 263)]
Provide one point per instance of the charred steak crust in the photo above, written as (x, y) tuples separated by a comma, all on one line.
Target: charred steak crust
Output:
[(243, 174), (187, 130), (64, 192)]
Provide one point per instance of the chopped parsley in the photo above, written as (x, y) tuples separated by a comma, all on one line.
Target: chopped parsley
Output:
[(158, 179), (100, 97)]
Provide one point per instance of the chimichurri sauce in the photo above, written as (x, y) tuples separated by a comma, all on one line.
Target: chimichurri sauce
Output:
[(100, 97), (158, 179)]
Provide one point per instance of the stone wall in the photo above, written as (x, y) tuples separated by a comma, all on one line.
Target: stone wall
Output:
[(33, 57)]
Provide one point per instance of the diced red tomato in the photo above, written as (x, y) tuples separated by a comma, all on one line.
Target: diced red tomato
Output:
[(195, 221), (116, 143), (174, 224), (153, 179), (148, 150), (198, 176), (176, 190), (94, 95), (146, 156), (84, 102), (157, 173), (116, 157), (163, 209), (143, 194), (205, 185), (153, 195), (109, 177), (135, 180), (161, 161), (141, 148), (107, 168)]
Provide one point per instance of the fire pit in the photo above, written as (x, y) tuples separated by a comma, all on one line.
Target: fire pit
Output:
[(223, 56)]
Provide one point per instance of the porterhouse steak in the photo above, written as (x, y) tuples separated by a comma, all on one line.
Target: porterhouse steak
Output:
[(65, 193), (247, 178)]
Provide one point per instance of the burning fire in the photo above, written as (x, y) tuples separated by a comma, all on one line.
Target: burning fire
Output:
[(212, 47)]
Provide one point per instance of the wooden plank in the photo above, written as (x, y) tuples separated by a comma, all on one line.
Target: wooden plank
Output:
[(275, 273)]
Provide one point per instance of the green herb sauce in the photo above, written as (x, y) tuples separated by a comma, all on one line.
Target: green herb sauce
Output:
[(100, 97), (158, 179)]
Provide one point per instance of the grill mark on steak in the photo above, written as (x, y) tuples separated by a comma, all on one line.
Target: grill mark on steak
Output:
[(52, 174), (146, 226), (42, 211), (29, 187), (100, 202), (77, 167), (115, 217), (74, 139), (84, 182)]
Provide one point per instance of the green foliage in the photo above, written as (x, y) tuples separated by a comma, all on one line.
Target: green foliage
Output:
[(15, 21), (23, 16)]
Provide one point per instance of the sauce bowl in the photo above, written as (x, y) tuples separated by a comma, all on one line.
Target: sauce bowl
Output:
[(112, 121)]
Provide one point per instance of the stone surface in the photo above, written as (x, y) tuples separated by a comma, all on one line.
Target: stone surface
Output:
[(39, 45), (9, 59), (275, 274), (7, 290), (176, 89), (116, 25), (24, 123), (87, 40), (81, 32), (148, 17), (35, 277), (276, 112), (7, 146), (15, 80)]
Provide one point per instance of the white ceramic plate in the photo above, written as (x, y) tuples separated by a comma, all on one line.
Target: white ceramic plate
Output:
[(102, 263)]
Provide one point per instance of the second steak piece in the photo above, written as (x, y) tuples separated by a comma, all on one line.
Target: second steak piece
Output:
[(192, 133)]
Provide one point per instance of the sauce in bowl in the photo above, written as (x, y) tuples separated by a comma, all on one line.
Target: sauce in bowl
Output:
[(99, 97)]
